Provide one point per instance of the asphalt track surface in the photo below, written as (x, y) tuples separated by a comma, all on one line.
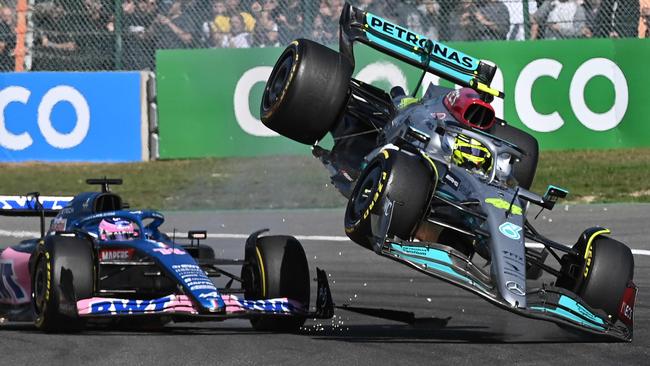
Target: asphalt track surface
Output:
[(475, 331)]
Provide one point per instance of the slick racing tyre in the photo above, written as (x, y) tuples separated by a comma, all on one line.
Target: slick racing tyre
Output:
[(62, 273), (524, 170), (608, 268), (306, 92), (393, 175), (277, 268)]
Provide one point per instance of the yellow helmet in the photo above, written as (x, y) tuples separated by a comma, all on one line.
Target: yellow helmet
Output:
[(471, 154)]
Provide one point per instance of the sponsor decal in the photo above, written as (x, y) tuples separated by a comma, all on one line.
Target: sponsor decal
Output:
[(512, 267), (415, 250), (439, 115), (626, 312), (452, 180), (504, 205), (194, 277), (209, 295), (112, 306), (589, 69), (413, 39), (29, 203), (106, 255), (513, 256), (515, 288), (453, 96), (169, 251), (65, 116), (67, 211), (128, 306), (106, 306), (58, 224), (282, 305), (9, 287), (510, 230)]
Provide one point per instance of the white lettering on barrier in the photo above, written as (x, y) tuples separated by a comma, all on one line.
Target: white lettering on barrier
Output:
[(64, 93), (383, 71), (523, 95), (498, 103), (8, 140), (588, 70), (544, 67), (61, 93), (243, 115), (585, 72)]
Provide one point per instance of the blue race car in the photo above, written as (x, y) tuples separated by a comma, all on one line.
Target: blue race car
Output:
[(100, 260)]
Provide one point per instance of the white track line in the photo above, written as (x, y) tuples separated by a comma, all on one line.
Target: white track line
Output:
[(34, 234)]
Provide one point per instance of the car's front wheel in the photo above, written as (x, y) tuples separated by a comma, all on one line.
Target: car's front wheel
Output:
[(603, 269), (277, 268), (403, 179), (63, 272)]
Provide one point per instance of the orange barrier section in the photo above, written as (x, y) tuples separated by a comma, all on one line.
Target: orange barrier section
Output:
[(21, 29)]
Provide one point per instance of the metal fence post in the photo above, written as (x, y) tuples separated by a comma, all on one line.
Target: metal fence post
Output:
[(526, 21), (118, 35)]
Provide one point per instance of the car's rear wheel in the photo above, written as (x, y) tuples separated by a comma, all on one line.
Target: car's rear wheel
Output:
[(306, 92), (524, 170), (277, 268), (393, 175), (63, 273)]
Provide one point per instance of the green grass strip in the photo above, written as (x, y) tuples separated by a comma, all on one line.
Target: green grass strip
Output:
[(301, 181)]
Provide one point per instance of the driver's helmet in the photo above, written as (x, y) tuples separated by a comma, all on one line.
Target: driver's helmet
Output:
[(117, 228), (469, 153)]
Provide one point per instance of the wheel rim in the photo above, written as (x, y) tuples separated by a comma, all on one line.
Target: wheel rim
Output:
[(278, 80), (38, 292), (249, 282), (365, 191)]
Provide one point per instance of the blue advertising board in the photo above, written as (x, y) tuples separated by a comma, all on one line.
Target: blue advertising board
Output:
[(70, 117)]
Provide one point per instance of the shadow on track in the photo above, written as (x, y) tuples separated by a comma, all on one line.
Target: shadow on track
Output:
[(422, 334), (425, 331)]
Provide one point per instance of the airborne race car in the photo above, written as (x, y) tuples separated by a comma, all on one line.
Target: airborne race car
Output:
[(438, 183), (102, 262)]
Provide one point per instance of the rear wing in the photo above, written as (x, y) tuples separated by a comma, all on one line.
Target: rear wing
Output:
[(415, 49), (32, 204)]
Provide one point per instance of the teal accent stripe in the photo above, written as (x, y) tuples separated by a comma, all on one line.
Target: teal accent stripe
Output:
[(413, 56), (558, 188), (437, 266), (437, 255), (565, 314), (570, 303), (431, 253)]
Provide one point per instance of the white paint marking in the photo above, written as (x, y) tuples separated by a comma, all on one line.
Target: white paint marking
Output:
[(34, 234)]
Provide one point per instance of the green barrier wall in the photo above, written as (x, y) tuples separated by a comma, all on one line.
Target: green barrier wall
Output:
[(572, 94)]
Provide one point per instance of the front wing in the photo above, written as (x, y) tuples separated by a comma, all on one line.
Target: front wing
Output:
[(235, 306), (548, 303), (182, 304)]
